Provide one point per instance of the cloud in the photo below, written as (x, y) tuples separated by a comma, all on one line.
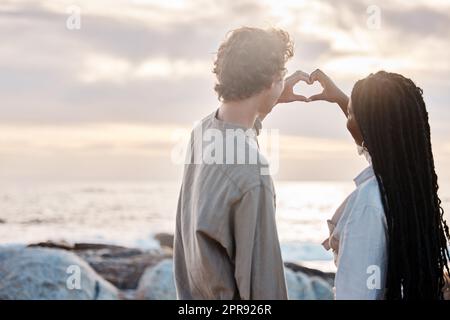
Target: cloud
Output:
[(104, 68), (148, 62), (132, 58)]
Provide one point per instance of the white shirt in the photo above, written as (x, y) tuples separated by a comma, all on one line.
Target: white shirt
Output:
[(358, 237)]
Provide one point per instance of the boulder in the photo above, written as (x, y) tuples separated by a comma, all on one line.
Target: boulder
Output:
[(157, 283), (303, 287), (124, 267), (49, 274), (53, 244), (327, 276), (121, 266), (165, 240)]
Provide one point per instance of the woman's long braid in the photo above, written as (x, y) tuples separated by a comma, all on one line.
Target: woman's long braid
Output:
[(393, 120)]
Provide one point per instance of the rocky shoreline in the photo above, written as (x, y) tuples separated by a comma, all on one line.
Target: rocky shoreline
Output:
[(59, 270)]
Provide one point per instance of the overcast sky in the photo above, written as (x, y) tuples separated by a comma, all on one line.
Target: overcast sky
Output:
[(104, 101)]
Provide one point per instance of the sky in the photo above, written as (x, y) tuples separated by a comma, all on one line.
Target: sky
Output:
[(106, 98)]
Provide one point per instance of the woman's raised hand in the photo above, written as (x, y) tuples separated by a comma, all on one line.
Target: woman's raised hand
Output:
[(330, 92)]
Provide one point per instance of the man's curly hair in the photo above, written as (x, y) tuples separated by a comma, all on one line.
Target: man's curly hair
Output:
[(249, 60)]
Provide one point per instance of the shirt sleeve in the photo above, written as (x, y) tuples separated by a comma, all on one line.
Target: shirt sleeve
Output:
[(362, 256), (259, 270)]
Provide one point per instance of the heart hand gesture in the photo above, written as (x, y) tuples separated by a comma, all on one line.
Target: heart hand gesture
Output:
[(330, 93), (288, 94)]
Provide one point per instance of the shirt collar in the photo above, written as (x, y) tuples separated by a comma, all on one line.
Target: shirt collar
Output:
[(365, 175), (257, 126)]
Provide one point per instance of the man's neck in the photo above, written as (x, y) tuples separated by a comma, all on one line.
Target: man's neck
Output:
[(243, 112)]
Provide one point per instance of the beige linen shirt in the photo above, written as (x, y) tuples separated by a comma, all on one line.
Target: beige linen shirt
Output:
[(226, 243)]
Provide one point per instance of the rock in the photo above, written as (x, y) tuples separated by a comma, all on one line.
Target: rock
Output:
[(323, 290), (327, 276), (100, 246), (2, 221), (157, 283), (121, 266), (49, 274), (52, 244), (149, 274), (165, 240), (303, 287)]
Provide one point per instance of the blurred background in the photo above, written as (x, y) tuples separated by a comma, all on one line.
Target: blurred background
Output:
[(93, 93)]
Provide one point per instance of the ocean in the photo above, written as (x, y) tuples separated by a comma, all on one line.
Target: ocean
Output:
[(131, 213)]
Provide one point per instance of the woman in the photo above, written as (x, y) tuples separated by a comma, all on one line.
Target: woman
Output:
[(389, 236)]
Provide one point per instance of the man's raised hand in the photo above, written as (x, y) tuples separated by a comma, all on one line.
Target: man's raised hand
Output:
[(288, 94)]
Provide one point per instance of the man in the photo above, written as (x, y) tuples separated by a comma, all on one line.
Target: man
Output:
[(226, 243)]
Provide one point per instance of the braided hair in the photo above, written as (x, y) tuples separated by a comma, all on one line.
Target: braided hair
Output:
[(393, 121)]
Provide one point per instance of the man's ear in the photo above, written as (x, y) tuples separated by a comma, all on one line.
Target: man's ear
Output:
[(275, 80), (271, 85)]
